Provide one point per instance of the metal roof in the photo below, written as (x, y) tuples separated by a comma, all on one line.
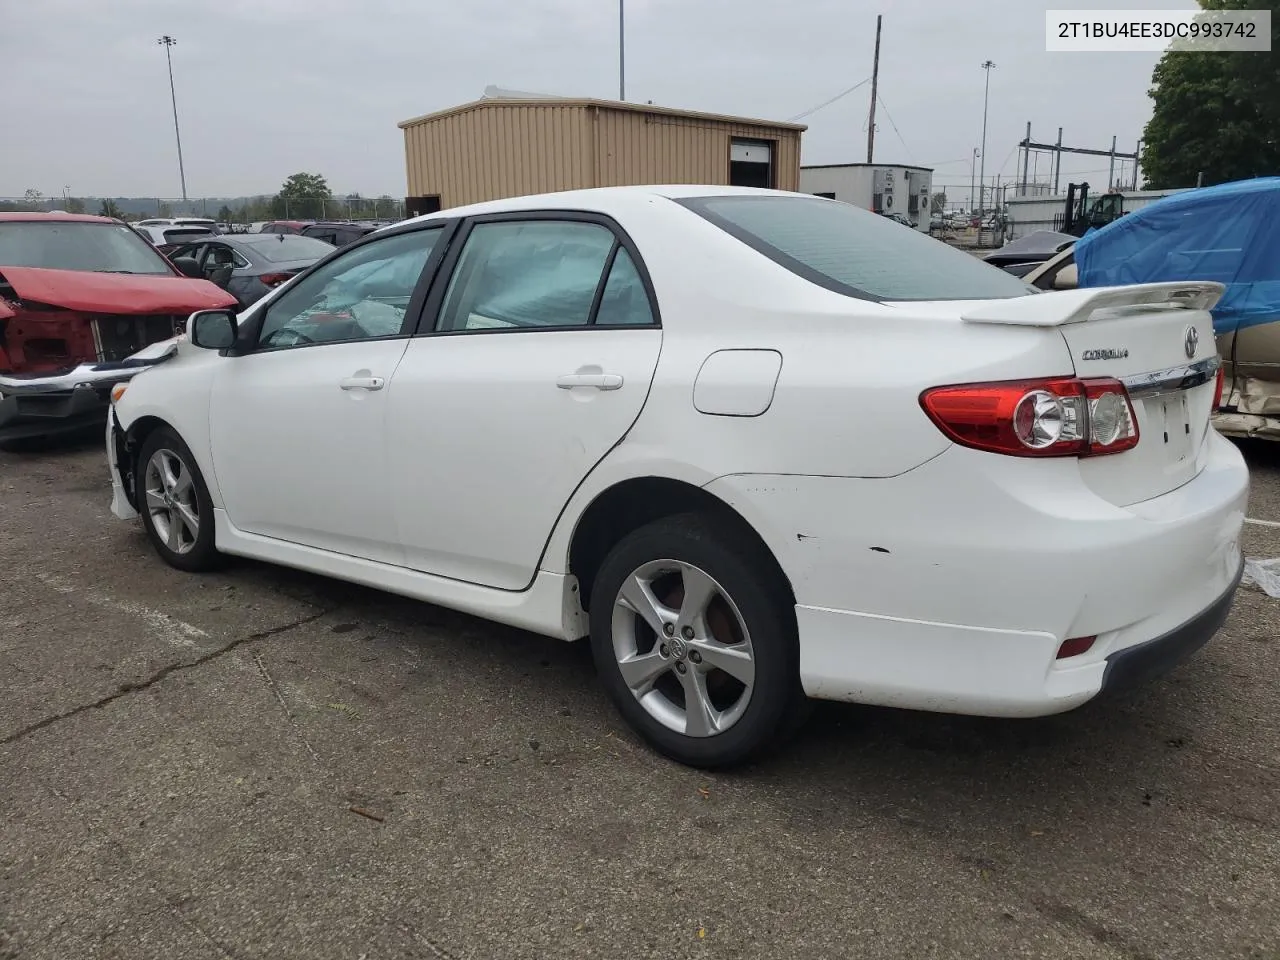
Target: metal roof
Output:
[(497, 96)]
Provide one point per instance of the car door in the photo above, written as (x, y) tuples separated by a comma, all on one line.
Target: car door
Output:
[(298, 420), (539, 358)]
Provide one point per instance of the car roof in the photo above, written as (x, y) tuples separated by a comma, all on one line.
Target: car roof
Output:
[(605, 200), (62, 217)]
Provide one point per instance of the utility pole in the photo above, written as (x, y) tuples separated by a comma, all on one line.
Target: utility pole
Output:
[(972, 161), (875, 79), (622, 50), (1026, 158), (987, 65), (167, 42)]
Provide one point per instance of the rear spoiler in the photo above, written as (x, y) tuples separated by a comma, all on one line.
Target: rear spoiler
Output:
[(1059, 307)]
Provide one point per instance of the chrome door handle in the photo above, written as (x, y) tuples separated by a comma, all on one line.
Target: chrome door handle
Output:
[(362, 383), (601, 381)]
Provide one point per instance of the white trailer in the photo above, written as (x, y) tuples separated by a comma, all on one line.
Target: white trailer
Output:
[(1026, 215)]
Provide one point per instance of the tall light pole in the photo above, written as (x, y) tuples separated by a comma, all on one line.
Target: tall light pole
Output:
[(622, 50), (987, 65), (167, 41)]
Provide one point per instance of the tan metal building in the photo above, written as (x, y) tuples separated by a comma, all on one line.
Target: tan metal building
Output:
[(513, 144)]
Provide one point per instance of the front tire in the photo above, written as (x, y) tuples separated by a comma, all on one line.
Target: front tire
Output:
[(694, 638), (174, 503)]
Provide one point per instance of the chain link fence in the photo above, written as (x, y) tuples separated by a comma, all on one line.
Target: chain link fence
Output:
[(234, 210)]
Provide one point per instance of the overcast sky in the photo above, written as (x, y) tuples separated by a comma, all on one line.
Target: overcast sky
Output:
[(266, 88)]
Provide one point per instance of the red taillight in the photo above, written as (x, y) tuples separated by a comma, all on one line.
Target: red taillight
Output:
[(1217, 390), (1075, 646), (275, 279), (1061, 417)]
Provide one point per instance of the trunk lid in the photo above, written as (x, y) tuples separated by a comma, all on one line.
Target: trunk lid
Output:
[(1158, 340)]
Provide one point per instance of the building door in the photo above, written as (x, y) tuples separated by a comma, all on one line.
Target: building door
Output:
[(751, 164), (420, 206)]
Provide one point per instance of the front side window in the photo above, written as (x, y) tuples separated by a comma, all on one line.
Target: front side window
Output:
[(361, 296), (854, 252), (73, 245), (527, 274)]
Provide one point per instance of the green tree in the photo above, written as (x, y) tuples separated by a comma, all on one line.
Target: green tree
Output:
[(75, 205), (33, 199), (225, 215), (164, 210), (1216, 114), (938, 203), (302, 196), (110, 209)]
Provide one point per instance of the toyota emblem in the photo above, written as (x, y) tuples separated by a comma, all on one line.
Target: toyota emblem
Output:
[(1191, 341)]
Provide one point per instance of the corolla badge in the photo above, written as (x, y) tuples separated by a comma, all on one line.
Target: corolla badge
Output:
[(1191, 341), (1105, 353)]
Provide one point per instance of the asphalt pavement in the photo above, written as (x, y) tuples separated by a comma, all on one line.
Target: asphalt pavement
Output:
[(261, 763)]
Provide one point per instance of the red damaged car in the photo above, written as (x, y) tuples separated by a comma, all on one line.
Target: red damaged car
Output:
[(80, 296)]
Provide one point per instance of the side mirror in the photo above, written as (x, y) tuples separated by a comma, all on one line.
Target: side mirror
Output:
[(212, 329), (189, 267)]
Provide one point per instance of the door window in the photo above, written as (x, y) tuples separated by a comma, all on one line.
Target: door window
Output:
[(361, 296), (625, 302), (221, 255), (522, 274)]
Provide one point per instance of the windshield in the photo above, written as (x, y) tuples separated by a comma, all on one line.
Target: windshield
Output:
[(854, 252), (280, 247), (72, 245)]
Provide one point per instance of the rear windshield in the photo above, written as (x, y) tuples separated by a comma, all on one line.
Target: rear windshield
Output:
[(279, 247), (185, 234), (71, 245), (855, 252)]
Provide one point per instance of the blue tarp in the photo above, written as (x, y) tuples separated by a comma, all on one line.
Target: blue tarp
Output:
[(1229, 233)]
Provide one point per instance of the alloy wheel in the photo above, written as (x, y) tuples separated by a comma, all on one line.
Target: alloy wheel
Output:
[(683, 648), (171, 503)]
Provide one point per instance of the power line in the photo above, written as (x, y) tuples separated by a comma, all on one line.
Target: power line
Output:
[(827, 103), (895, 127)]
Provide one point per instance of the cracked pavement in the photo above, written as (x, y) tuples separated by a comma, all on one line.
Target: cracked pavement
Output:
[(261, 763)]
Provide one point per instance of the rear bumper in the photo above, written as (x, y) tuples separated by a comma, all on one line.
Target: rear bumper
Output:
[(1133, 666), (952, 587)]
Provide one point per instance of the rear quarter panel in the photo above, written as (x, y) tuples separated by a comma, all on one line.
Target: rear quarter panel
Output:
[(846, 402)]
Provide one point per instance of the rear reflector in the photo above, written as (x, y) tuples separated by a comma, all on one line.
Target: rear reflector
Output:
[(1060, 417), (1075, 646), (275, 279), (1217, 391)]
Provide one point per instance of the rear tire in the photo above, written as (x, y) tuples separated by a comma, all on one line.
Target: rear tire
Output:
[(695, 641), (174, 503)]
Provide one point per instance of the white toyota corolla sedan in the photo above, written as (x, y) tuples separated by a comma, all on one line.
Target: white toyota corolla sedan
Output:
[(759, 447)]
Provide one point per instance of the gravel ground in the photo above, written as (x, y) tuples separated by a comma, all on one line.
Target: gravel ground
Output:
[(262, 763)]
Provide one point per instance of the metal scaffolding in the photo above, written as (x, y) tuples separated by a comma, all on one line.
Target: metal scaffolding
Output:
[(1027, 147)]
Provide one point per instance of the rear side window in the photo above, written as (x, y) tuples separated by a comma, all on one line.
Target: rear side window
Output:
[(527, 274), (853, 251), (624, 302)]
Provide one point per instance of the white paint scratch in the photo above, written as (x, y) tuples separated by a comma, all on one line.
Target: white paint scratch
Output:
[(1263, 523), (171, 630)]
